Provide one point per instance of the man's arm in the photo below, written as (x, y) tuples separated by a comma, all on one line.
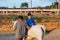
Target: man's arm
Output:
[(14, 26)]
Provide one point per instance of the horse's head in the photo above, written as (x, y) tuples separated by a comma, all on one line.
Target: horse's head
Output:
[(45, 29)]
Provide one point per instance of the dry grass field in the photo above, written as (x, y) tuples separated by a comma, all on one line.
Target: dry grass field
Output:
[(50, 21), (49, 25)]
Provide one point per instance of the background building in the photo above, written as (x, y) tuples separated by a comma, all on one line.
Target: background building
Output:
[(24, 11)]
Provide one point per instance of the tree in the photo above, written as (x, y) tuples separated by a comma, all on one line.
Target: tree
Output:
[(24, 5), (47, 7), (14, 6), (55, 5), (3, 7), (58, 4), (39, 7)]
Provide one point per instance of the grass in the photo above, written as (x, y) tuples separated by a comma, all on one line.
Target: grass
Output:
[(39, 19)]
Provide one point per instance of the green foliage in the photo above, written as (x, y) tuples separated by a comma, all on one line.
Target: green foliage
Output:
[(8, 17), (53, 6), (45, 17)]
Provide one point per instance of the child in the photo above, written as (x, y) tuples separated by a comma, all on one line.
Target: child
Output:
[(30, 21)]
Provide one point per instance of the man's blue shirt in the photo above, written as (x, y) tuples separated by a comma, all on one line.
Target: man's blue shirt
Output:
[(30, 22)]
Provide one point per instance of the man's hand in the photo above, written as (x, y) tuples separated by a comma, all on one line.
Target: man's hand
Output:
[(13, 29)]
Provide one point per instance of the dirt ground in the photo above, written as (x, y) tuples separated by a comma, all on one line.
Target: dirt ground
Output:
[(54, 35)]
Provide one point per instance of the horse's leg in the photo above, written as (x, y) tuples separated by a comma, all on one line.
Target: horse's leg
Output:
[(29, 35), (29, 38), (40, 35), (39, 38)]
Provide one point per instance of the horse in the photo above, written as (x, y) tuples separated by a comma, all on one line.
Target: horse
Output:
[(37, 32)]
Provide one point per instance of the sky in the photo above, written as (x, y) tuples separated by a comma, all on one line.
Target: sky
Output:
[(17, 3)]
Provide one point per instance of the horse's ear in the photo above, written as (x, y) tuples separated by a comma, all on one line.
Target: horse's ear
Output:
[(44, 24)]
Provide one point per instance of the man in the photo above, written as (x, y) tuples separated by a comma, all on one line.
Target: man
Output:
[(30, 21), (20, 27)]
